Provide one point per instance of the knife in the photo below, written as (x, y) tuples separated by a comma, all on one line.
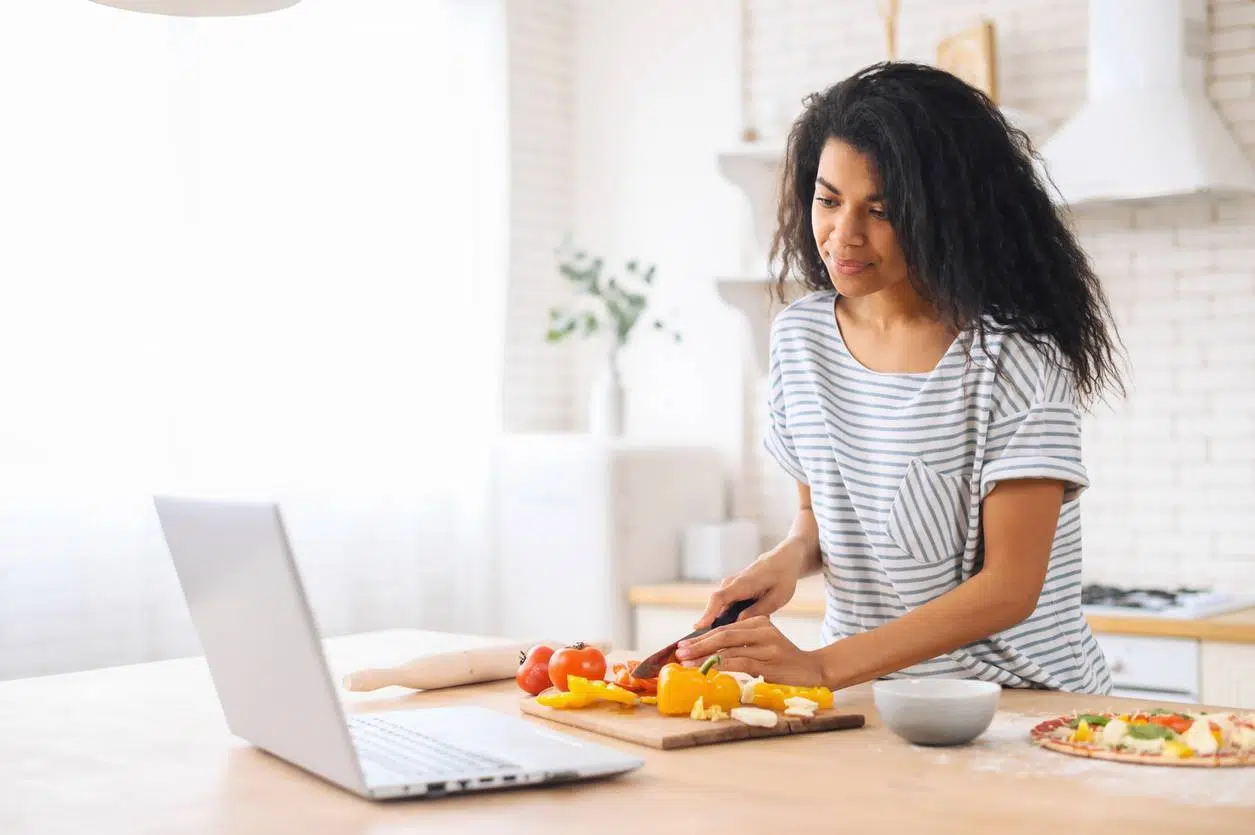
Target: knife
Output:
[(652, 665)]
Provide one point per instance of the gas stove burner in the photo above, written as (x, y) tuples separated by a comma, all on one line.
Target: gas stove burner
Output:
[(1136, 598), (1179, 602)]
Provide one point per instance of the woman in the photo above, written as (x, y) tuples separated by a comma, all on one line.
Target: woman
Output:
[(925, 397)]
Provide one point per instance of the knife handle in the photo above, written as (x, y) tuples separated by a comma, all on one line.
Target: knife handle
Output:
[(733, 612)]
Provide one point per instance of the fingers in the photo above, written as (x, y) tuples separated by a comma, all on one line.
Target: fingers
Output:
[(766, 605), (729, 592), (741, 665), (740, 634)]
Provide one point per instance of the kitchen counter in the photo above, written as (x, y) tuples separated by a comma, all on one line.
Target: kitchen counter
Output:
[(1235, 627), (144, 749)]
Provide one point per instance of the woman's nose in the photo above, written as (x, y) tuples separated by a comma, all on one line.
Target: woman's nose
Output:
[(844, 235), (848, 231)]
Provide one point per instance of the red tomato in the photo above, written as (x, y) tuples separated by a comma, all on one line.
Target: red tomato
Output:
[(533, 674), (1179, 724), (576, 660)]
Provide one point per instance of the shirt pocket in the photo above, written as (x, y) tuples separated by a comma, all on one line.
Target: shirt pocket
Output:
[(928, 516)]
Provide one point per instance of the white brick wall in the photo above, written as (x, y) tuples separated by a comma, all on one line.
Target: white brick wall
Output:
[(1173, 465), (539, 377)]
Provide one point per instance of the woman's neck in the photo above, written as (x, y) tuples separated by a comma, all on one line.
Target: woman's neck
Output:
[(889, 309)]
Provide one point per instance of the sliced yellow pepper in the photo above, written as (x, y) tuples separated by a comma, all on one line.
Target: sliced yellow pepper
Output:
[(564, 699), (1178, 749), (772, 696), (1083, 733), (680, 687), (600, 690)]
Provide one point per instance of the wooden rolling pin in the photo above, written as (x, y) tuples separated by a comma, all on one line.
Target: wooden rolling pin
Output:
[(450, 669)]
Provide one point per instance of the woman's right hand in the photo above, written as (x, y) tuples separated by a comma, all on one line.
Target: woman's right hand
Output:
[(772, 578)]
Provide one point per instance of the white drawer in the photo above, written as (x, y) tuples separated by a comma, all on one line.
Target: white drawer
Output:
[(1144, 663)]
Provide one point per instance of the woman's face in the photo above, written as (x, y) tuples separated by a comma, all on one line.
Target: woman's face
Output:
[(851, 227)]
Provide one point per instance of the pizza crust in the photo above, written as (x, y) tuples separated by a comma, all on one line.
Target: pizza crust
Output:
[(1041, 736)]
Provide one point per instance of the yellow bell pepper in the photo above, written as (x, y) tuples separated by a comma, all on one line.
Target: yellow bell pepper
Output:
[(600, 690), (1178, 749), (772, 696), (680, 687), (582, 692), (563, 699)]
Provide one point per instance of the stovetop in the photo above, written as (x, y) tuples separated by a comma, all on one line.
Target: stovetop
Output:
[(1163, 603)]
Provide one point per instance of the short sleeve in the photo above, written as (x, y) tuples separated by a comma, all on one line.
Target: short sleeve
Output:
[(1039, 436), (777, 440)]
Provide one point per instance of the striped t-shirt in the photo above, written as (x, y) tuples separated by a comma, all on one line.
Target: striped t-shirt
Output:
[(898, 465)]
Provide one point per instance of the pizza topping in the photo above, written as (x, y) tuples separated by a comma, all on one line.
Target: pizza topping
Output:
[(1223, 722), (1176, 723), (1090, 719), (1143, 746), (1200, 738), (1244, 738), (1083, 733), (1176, 748), (1113, 733), (1150, 731)]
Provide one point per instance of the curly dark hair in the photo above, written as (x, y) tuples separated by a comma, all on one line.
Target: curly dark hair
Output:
[(976, 225)]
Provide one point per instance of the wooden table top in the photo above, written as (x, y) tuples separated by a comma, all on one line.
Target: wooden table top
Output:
[(1234, 627), (144, 749)]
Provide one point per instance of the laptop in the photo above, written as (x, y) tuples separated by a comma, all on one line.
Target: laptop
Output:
[(243, 589)]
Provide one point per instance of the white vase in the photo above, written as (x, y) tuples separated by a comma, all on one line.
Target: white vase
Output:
[(606, 400)]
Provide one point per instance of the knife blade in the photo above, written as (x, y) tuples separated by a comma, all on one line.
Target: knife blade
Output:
[(652, 665)]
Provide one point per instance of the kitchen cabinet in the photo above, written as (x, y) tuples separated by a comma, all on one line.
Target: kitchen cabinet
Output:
[(1228, 673), (1158, 667)]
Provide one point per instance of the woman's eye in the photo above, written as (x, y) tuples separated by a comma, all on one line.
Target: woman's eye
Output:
[(826, 202), (878, 212)]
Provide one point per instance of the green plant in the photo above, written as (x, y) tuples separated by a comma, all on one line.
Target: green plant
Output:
[(604, 303)]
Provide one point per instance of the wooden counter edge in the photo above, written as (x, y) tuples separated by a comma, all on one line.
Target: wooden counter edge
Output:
[(1234, 627)]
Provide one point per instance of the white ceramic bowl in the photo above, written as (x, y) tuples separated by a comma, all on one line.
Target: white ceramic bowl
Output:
[(936, 711)]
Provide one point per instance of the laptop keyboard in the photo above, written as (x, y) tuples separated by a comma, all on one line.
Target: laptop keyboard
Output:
[(406, 751)]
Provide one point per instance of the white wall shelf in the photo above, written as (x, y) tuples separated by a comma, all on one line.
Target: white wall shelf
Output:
[(754, 168), (755, 299)]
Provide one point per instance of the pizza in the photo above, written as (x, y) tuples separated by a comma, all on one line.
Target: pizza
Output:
[(1157, 737)]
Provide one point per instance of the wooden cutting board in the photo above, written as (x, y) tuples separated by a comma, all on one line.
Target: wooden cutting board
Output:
[(644, 725)]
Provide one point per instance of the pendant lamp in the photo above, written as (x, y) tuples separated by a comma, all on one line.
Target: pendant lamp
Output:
[(200, 8)]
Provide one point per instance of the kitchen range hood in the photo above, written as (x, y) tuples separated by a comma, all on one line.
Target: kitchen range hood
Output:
[(1147, 129)]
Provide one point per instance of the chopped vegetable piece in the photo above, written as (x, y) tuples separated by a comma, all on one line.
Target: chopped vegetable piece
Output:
[(1178, 749), (680, 687), (1090, 719), (1151, 731), (774, 696), (757, 716), (600, 690)]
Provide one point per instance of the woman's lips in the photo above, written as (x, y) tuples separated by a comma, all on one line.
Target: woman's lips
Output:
[(850, 267)]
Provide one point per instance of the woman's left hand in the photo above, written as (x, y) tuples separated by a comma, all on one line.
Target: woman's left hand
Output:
[(755, 646)]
